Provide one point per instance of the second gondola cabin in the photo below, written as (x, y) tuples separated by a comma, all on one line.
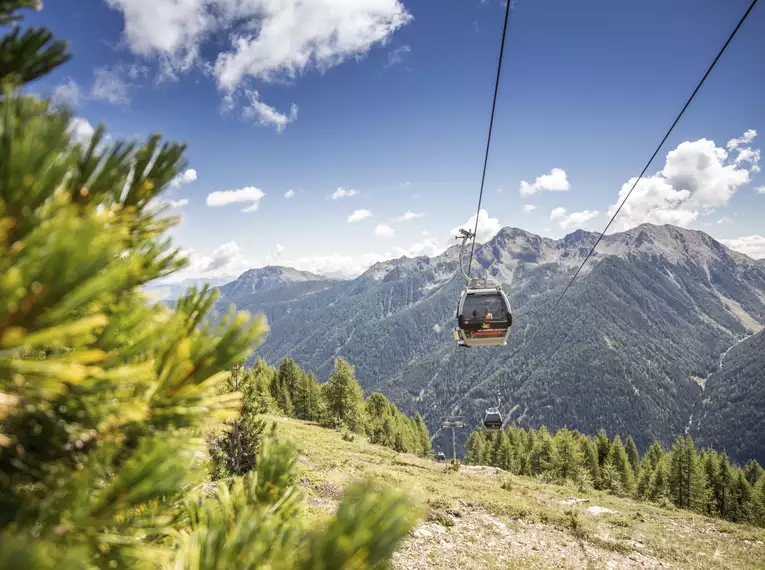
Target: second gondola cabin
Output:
[(492, 421), (484, 316)]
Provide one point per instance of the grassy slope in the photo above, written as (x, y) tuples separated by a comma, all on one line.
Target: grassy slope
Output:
[(475, 523)]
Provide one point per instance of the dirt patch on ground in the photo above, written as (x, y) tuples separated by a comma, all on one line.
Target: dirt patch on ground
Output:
[(477, 540)]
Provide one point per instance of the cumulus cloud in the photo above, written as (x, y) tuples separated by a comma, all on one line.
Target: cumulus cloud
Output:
[(266, 115), (266, 40), (110, 86), (81, 130), (753, 246), (556, 181), (430, 247), (409, 215), (384, 231), (576, 220), (697, 177), (487, 227), (289, 194), (227, 259), (249, 194), (359, 215), (294, 35), (343, 193), (66, 95), (186, 177), (177, 203), (529, 208), (760, 189)]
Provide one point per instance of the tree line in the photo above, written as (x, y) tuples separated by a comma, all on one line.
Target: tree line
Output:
[(338, 403), (702, 481)]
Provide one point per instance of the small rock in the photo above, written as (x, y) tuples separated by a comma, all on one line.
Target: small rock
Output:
[(595, 510), (422, 533)]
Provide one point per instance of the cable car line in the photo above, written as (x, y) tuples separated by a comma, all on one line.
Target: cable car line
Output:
[(491, 125), (648, 164)]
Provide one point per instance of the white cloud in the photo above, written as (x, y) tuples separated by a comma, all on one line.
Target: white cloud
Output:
[(384, 231), (109, 86), (343, 193), (725, 220), (746, 139), (359, 215), (396, 56), (576, 220), (529, 208), (249, 194), (291, 36), (66, 95), (81, 130), (276, 254), (406, 184), (557, 180), (225, 260), (186, 177), (697, 177), (429, 247), (487, 227), (177, 203), (409, 215), (289, 194), (265, 114), (760, 189), (753, 246), (336, 265)]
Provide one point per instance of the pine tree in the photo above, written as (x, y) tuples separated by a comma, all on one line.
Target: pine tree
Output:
[(475, 448), (758, 502), (569, 456), (711, 466), (687, 481), (504, 457), (632, 453), (423, 437), (104, 394), (604, 446), (314, 404), (545, 458), (234, 451), (262, 376), (753, 471), (343, 398), (590, 458), (723, 488), (619, 461), (742, 497), (660, 481)]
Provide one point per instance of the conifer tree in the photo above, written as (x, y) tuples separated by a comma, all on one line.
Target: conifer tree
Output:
[(632, 453), (660, 481), (619, 461), (722, 488), (590, 458), (569, 458), (235, 450), (262, 376), (104, 394), (343, 398), (687, 481), (604, 446), (753, 471), (423, 436), (475, 448), (314, 403), (758, 502), (504, 455)]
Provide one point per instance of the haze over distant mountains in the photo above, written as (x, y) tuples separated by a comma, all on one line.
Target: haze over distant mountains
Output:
[(635, 346)]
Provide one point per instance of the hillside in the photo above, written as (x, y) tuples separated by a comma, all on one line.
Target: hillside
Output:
[(734, 398), (648, 318), (472, 522)]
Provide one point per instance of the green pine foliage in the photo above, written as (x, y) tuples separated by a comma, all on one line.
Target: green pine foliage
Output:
[(684, 477), (105, 396), (343, 398)]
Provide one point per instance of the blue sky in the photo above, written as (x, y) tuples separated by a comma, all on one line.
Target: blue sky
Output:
[(389, 100)]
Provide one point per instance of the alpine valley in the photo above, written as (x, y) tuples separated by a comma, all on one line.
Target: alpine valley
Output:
[(659, 334)]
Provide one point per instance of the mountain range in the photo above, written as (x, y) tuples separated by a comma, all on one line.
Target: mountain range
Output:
[(660, 327)]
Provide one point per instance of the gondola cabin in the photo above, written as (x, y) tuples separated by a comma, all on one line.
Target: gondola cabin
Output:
[(484, 317), (492, 421)]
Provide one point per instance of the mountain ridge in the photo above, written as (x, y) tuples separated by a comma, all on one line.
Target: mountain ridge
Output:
[(654, 308)]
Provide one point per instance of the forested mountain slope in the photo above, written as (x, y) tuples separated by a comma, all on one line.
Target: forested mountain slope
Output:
[(734, 400), (646, 320)]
